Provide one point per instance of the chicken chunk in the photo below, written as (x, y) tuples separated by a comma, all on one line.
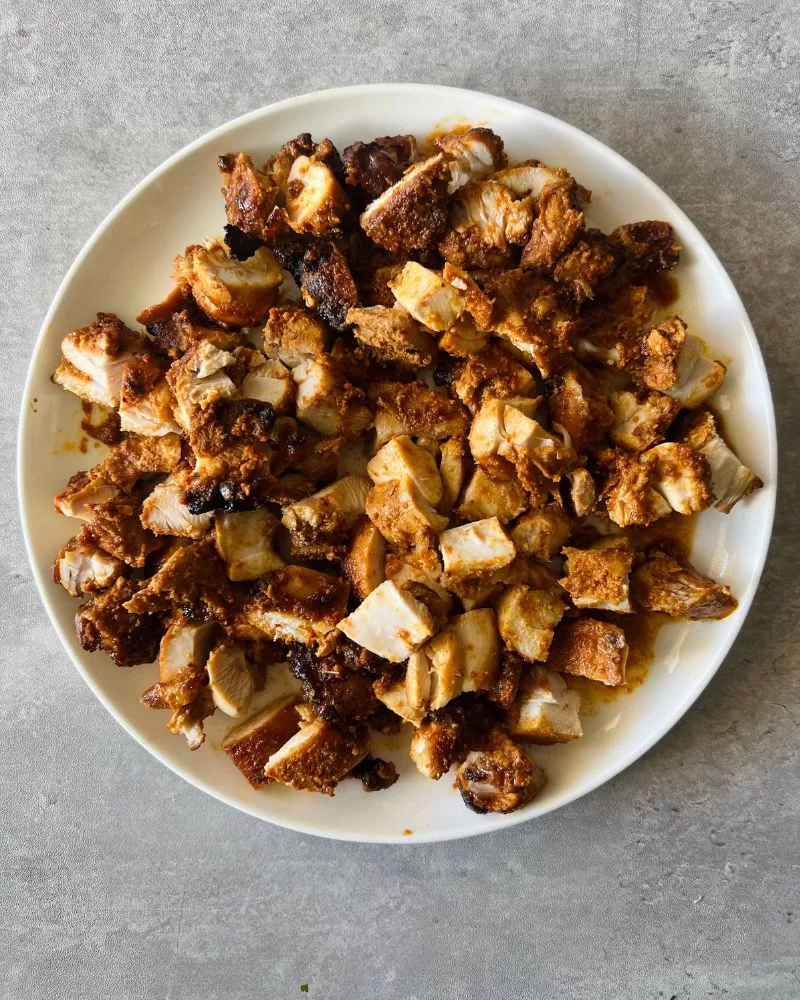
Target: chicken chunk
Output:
[(484, 222), (229, 678), (251, 744), (318, 525), (531, 178), (317, 757), (677, 589), (95, 358), (188, 720), (237, 293), (557, 225), (190, 577), (582, 269), (479, 307), (389, 622), (401, 458), (452, 470), (405, 518), (545, 710), (541, 533), (419, 571), (181, 664), (672, 361), (578, 405), (115, 527), (492, 373), (681, 475), (498, 776), (425, 294), (326, 402), (501, 429), (434, 746), (411, 214), (199, 380), (474, 549), (473, 154), (393, 695), (486, 497), (414, 409), (295, 604), (648, 247), (526, 619), (590, 648), (250, 197), (82, 568), (641, 418), (293, 334), (315, 201), (599, 577), (375, 166), (323, 276), (270, 382), (393, 336), (628, 493), (245, 543), (82, 494), (146, 404), (104, 623), (364, 562), (165, 513), (731, 481), (698, 376)]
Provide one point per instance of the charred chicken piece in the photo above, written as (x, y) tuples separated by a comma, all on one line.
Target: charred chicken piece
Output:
[(318, 526), (105, 623), (498, 776), (191, 577), (251, 744), (375, 774), (337, 685), (250, 199), (363, 564), (674, 587), (590, 648), (295, 604), (317, 757), (375, 166), (648, 247)]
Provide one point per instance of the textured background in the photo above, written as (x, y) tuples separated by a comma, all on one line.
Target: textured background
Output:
[(679, 879)]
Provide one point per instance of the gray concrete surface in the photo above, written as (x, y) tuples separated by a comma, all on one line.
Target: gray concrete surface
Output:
[(680, 879)]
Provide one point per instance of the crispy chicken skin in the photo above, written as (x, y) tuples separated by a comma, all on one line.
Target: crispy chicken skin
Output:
[(675, 588), (588, 647), (191, 577), (498, 776)]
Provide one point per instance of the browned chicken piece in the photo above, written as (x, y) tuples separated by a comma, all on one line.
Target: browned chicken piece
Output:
[(557, 224), (104, 623), (279, 164), (191, 577), (435, 745), (484, 497), (419, 571), (293, 334), (115, 526), (182, 331), (375, 774), (599, 577), (165, 513), (315, 202), (611, 330), (478, 304), (363, 564), (82, 494), (541, 533), (677, 589), (628, 493), (582, 491), (484, 223), (327, 402), (245, 542), (136, 458), (188, 721), (415, 409), (411, 214), (250, 197), (84, 568), (656, 365), (393, 336), (427, 296), (577, 403), (526, 619), (199, 380), (403, 515), (375, 166), (498, 776), (641, 418), (473, 154), (584, 267), (452, 470), (648, 247), (270, 382), (339, 684), (531, 177), (230, 679), (502, 430), (182, 659), (505, 688), (474, 549), (681, 475), (731, 481), (587, 647), (323, 275), (317, 757), (251, 744), (238, 478), (230, 291), (545, 710), (390, 623), (175, 301), (94, 359), (318, 525), (146, 404), (464, 338), (491, 373), (401, 458), (295, 604)]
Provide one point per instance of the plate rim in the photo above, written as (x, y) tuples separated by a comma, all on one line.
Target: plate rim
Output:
[(679, 708)]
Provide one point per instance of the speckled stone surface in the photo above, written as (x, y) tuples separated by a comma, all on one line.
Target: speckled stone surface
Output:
[(681, 878)]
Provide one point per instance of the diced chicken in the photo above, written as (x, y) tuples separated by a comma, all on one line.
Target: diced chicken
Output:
[(581, 270), (181, 661), (393, 336), (82, 494), (582, 491), (526, 619), (315, 201), (599, 577), (103, 623), (498, 776), (165, 513), (578, 405), (681, 475), (473, 154), (245, 542), (425, 294), (641, 418), (416, 409), (545, 710), (327, 403), (188, 720), (323, 275), (401, 458), (229, 678), (629, 495), (199, 380), (295, 604), (541, 533), (251, 744), (478, 304), (590, 648), (82, 568), (318, 525), (486, 497), (294, 334), (434, 746), (530, 179), (474, 549), (146, 404), (375, 166), (731, 481), (115, 527), (403, 515), (419, 571), (95, 357), (677, 589), (463, 338), (698, 376), (364, 563), (394, 696), (452, 470), (648, 247), (389, 622), (270, 382), (672, 361), (412, 213), (230, 291), (503, 430), (484, 221), (492, 373), (318, 757), (558, 222), (479, 647), (250, 197)]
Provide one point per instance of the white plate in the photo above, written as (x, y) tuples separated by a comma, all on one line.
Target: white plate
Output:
[(126, 265)]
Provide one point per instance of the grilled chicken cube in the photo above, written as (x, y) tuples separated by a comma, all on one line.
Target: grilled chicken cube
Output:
[(188, 720), (401, 458), (599, 577), (251, 744), (463, 338), (731, 481), (229, 678), (474, 549), (590, 648), (230, 291), (479, 646), (435, 673), (389, 622), (698, 376), (681, 475), (315, 201), (504, 430), (191, 577), (95, 358), (415, 409), (317, 757), (492, 373), (250, 197), (104, 623), (393, 695), (629, 495), (641, 418), (526, 619), (364, 563), (473, 154), (318, 525), (295, 604), (584, 267), (199, 380), (674, 362), (434, 746), (648, 247), (479, 306), (484, 222), (498, 776), (405, 518), (677, 589), (245, 543), (375, 166), (529, 179), (425, 294), (293, 334), (181, 664), (541, 533), (452, 470), (146, 404), (165, 513), (83, 568), (115, 527), (485, 497), (419, 571), (270, 382), (393, 336), (578, 405), (82, 494), (412, 213), (558, 222), (545, 710), (327, 403)]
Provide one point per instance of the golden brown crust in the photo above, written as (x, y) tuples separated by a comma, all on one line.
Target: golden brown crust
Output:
[(597, 576), (251, 744), (421, 410), (590, 648), (558, 223), (412, 214), (250, 196), (677, 589), (321, 756)]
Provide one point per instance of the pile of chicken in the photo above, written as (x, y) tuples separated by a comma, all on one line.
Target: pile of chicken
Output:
[(393, 429)]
